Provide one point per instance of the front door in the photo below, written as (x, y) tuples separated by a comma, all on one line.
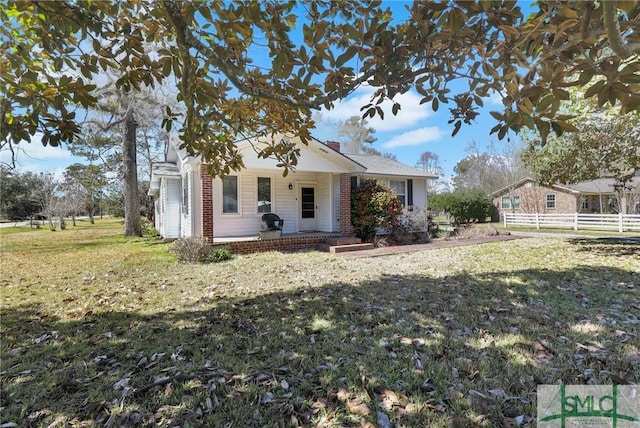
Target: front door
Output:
[(307, 208)]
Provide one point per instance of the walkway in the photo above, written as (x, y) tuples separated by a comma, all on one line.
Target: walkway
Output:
[(434, 245)]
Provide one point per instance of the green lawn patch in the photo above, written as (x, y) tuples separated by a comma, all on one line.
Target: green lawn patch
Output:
[(100, 330)]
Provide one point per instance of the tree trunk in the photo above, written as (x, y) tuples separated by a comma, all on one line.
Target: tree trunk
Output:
[(91, 208), (132, 223)]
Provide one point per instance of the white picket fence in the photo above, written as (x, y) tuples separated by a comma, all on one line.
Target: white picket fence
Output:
[(617, 222)]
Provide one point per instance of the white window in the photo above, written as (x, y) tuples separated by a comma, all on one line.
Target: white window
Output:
[(551, 200), (401, 190), (506, 202), (516, 202), (230, 198), (264, 195), (584, 202)]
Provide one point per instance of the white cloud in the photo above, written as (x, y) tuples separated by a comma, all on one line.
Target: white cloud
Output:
[(495, 98), (416, 137), (35, 157), (409, 115)]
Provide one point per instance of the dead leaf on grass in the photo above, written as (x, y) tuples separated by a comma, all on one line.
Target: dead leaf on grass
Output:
[(357, 407)]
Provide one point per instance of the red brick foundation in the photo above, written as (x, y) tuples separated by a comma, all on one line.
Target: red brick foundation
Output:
[(294, 243)]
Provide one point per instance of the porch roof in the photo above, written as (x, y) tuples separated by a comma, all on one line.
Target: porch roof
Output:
[(161, 170)]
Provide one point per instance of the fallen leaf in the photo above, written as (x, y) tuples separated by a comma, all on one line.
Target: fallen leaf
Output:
[(383, 420)]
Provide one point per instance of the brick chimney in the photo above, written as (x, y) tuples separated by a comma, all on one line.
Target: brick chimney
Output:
[(334, 145)]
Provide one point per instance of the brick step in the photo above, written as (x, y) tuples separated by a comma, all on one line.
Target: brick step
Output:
[(345, 240), (344, 248)]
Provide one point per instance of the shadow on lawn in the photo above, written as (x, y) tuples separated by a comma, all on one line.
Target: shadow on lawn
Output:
[(621, 247), (465, 350)]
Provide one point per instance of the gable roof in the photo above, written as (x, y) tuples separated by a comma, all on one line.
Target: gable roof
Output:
[(379, 165), (600, 185), (597, 186), (317, 156), (524, 180)]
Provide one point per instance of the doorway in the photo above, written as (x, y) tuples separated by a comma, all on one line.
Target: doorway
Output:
[(307, 208)]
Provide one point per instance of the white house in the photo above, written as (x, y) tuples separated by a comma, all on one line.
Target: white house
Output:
[(315, 197)]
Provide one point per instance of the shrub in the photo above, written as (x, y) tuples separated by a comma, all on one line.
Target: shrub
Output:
[(148, 229), (373, 206), (412, 228), (191, 250), (464, 205), (220, 254)]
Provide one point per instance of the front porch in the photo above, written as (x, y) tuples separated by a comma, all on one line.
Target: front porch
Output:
[(301, 241)]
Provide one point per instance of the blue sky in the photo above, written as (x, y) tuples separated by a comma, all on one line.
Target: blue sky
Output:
[(416, 129)]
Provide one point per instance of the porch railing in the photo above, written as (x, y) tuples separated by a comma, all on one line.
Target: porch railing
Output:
[(617, 222)]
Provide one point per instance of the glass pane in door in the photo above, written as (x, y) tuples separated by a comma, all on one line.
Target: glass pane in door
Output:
[(308, 203)]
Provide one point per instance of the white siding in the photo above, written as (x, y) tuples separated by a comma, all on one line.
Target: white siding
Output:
[(313, 157), (248, 221), (324, 203), (185, 215), (336, 204), (420, 193), (160, 205), (195, 194), (172, 209), (189, 218)]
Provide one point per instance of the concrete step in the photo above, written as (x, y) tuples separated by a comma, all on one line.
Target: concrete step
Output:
[(344, 248), (345, 240)]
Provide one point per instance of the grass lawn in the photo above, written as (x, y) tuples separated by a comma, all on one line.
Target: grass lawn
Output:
[(98, 330)]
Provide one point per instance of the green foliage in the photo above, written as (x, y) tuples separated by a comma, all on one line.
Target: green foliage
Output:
[(216, 53), (18, 194), (148, 229), (220, 254), (605, 146), (464, 205), (373, 206)]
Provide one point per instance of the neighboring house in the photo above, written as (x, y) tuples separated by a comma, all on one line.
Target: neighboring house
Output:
[(596, 196), (315, 197)]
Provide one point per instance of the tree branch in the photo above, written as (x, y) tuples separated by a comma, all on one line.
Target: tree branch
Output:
[(612, 26), (191, 42)]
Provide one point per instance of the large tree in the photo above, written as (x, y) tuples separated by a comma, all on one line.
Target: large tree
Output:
[(120, 127), (490, 168), (606, 145), (252, 67), (356, 135), (17, 194), (85, 182), (430, 163)]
